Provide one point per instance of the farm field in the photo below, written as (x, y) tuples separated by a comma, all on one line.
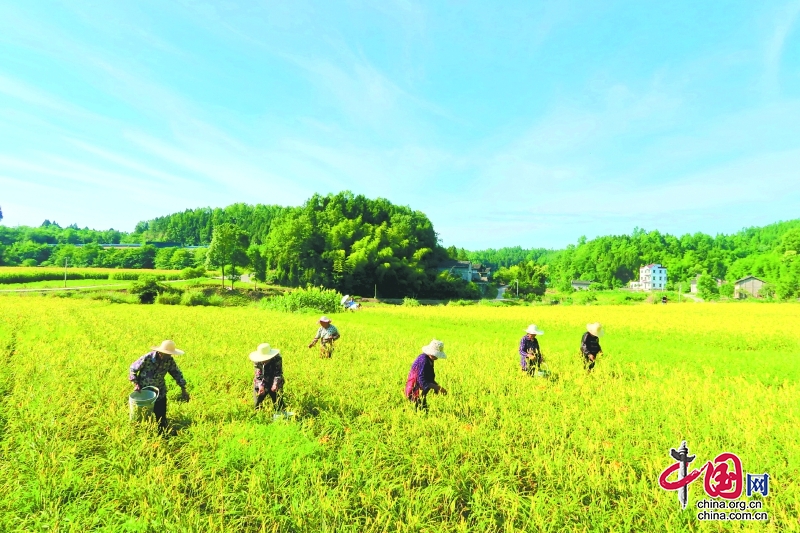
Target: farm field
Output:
[(55, 284), (5, 270), (109, 283), (501, 452), (16, 278), (29, 275)]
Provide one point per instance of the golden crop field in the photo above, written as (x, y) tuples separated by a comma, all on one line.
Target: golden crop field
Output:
[(501, 452)]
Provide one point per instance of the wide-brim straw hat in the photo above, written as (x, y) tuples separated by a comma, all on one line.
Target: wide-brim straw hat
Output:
[(324, 320), (533, 330), (345, 298), (596, 329), (435, 349), (264, 352), (168, 346)]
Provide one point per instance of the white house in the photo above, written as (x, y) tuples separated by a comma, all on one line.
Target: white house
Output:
[(461, 269), (580, 285), (652, 277)]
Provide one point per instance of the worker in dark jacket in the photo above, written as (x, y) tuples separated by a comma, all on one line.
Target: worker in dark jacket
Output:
[(530, 355), (268, 368), (590, 345), (422, 377), (151, 369)]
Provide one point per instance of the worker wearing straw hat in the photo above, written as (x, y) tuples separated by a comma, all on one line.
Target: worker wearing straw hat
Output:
[(349, 303), (268, 368), (326, 334), (590, 344), (530, 355), (151, 369), (422, 377)]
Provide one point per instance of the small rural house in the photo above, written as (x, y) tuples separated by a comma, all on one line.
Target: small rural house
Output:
[(651, 277), (749, 286), (484, 272), (579, 285), (461, 269), (693, 284)]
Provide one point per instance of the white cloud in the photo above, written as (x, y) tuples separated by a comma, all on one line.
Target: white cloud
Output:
[(784, 23)]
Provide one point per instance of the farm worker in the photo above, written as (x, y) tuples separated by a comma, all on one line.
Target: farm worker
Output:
[(530, 355), (349, 303), (590, 344), (422, 377), (268, 367), (151, 369), (326, 334)]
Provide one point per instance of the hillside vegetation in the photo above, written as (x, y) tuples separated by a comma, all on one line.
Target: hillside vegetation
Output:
[(356, 244)]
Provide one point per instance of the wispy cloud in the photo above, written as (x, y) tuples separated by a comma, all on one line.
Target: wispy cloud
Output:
[(244, 173), (29, 94), (494, 120), (785, 21)]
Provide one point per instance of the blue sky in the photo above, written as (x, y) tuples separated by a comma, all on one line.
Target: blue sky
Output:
[(531, 124)]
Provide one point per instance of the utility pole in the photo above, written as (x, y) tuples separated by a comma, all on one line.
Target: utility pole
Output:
[(65, 271), (517, 282), (376, 291)]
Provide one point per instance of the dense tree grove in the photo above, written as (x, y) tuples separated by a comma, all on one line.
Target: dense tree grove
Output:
[(769, 252), (195, 227), (526, 279), (345, 241), (506, 257), (356, 244)]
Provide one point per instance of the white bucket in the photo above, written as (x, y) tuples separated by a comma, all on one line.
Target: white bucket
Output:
[(141, 403)]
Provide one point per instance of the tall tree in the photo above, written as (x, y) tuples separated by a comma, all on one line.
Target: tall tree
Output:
[(228, 247), (258, 265)]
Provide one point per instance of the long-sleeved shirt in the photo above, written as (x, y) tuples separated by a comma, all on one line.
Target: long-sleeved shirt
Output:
[(422, 377), (590, 344), (150, 370), (327, 334), (268, 373), (526, 348)]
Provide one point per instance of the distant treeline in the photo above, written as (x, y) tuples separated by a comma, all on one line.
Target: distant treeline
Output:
[(768, 252), (50, 244), (354, 243)]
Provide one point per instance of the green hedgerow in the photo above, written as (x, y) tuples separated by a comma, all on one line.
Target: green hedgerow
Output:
[(312, 298)]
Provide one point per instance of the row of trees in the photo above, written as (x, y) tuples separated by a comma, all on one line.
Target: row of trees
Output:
[(343, 241), (354, 244), (28, 253), (769, 252), (195, 227)]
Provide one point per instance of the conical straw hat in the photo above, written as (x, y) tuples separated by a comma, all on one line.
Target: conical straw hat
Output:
[(264, 352)]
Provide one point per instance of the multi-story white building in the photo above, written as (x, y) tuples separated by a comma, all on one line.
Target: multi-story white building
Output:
[(651, 277)]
